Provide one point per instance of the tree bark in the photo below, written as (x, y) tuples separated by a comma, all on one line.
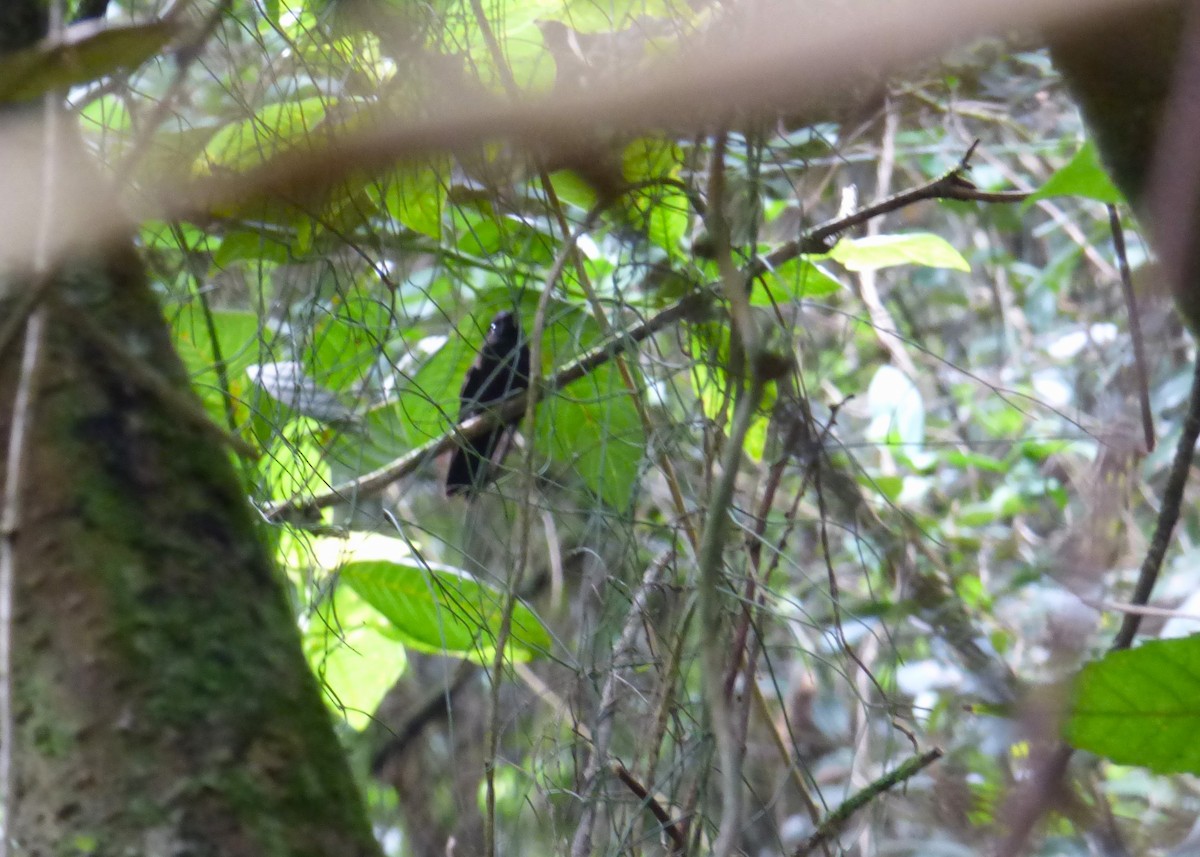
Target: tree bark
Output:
[(160, 702)]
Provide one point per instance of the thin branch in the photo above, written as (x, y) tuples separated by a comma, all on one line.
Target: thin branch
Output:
[(786, 63), (953, 184), (744, 350), (26, 302), (1135, 326), (677, 835), (581, 845), (477, 426), (22, 418), (1140, 609), (838, 818), (1168, 514)]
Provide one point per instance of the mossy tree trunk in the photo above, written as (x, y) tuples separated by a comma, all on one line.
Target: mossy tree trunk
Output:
[(160, 700)]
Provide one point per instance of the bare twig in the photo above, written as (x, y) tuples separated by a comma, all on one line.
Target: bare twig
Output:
[(672, 828), (710, 558), (581, 845), (1135, 326), (953, 184), (1140, 609), (882, 322), (838, 818), (1168, 515)]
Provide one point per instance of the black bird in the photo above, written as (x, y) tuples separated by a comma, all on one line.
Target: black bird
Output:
[(501, 369)]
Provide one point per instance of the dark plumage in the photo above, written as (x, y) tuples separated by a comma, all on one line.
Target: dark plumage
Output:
[(501, 369)]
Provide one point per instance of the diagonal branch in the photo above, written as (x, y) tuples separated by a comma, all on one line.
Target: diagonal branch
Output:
[(953, 184), (838, 818), (376, 480)]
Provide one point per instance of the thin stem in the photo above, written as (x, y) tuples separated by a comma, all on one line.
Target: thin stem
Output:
[(1168, 515), (708, 597), (838, 818), (1135, 326)]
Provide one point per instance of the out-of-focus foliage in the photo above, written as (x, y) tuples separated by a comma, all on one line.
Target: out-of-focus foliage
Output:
[(943, 481), (83, 55)]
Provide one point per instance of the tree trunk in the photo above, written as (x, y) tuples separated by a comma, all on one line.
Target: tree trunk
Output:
[(160, 701)]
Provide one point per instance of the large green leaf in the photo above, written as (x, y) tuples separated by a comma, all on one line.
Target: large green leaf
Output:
[(592, 428), (434, 608), (273, 129), (239, 337), (664, 208), (1141, 706), (416, 196), (247, 245), (295, 464), (427, 401), (885, 251), (352, 652), (346, 344)]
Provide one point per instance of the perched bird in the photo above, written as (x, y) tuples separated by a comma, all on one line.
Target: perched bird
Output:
[(501, 369)]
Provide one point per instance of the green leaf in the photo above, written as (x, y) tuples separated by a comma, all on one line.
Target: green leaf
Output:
[(239, 337), (273, 129), (245, 245), (416, 197), (1141, 706), (349, 649), (794, 280), (433, 608), (664, 208), (428, 402), (294, 465), (888, 486), (1084, 176), (107, 115), (346, 345), (573, 189), (885, 251), (592, 427)]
